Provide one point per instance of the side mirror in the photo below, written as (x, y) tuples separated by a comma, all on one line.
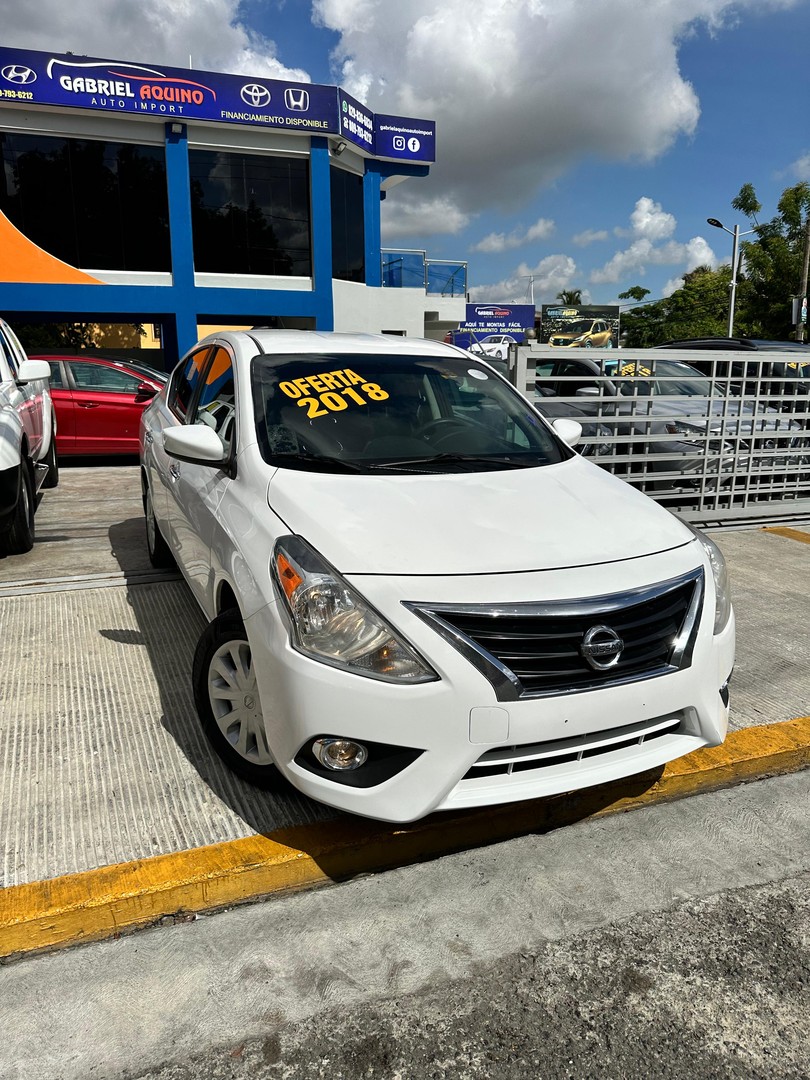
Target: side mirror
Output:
[(145, 392), (197, 444), (33, 371), (570, 431), (587, 391)]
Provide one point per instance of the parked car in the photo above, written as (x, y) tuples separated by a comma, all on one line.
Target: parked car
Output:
[(28, 457), (784, 376), (496, 345), (583, 334), (683, 422), (99, 401), (725, 344), (418, 596)]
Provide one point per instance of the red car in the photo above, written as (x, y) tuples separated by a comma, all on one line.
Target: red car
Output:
[(99, 402)]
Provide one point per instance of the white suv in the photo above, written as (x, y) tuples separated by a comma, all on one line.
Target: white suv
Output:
[(27, 441)]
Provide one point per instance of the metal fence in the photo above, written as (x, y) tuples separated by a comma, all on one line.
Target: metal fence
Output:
[(724, 440)]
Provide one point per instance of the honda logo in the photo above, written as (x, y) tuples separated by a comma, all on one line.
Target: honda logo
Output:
[(296, 100), (255, 95)]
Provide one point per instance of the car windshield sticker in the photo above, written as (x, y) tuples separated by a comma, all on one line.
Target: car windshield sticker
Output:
[(332, 391), (477, 374), (635, 368)]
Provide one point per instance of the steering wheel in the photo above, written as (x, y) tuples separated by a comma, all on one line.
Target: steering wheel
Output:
[(445, 426)]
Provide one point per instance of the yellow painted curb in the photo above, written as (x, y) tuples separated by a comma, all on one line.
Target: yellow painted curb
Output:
[(104, 902), (791, 534)]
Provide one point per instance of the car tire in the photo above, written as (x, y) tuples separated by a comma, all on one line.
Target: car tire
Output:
[(227, 698), (52, 461), (160, 555), (18, 537)]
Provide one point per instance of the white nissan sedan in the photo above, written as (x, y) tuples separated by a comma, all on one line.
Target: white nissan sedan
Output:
[(419, 596)]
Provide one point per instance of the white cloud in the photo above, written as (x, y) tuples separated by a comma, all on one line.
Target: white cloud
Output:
[(590, 236), (210, 32), (523, 89), (408, 215), (649, 225), (643, 253), (650, 221), (551, 275), (801, 167), (497, 242)]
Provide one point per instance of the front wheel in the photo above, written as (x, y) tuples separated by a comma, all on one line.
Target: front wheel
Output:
[(227, 698), (19, 535), (160, 555), (52, 461)]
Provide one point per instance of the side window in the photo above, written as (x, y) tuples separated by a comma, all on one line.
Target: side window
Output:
[(56, 375), (185, 380), (14, 348), (216, 402), (8, 355), (102, 378)]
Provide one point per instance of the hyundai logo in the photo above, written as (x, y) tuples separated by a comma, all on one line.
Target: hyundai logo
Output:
[(602, 647), (15, 73), (296, 100), (256, 95)]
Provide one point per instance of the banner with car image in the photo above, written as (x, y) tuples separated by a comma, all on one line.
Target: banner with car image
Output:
[(579, 326)]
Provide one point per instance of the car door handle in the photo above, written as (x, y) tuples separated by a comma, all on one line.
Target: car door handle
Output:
[(87, 404), (174, 472)]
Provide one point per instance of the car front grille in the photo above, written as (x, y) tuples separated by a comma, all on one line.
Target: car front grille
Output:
[(508, 760), (535, 649)]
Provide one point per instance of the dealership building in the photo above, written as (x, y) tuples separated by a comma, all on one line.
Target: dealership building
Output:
[(137, 193)]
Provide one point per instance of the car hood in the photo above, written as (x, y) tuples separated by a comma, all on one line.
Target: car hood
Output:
[(566, 515)]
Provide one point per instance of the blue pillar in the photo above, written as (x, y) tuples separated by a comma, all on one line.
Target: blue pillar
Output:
[(178, 181), (371, 214), (320, 181)]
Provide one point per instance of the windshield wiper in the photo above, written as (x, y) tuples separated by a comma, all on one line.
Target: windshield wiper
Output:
[(316, 461), (455, 459)]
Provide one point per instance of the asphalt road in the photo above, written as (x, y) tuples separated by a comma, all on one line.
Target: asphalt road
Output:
[(671, 942)]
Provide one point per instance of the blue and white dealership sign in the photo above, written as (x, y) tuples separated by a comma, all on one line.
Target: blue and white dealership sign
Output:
[(82, 82), (502, 318)]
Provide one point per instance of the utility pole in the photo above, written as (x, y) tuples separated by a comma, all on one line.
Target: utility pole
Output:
[(803, 290)]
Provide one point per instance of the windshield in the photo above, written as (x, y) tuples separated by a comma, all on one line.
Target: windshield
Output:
[(668, 377), (581, 326), (144, 369), (361, 413)]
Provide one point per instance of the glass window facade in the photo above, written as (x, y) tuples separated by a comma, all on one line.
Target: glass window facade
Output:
[(348, 227), (250, 214), (94, 204)]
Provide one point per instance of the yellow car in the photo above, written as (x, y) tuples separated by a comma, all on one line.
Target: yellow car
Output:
[(583, 334)]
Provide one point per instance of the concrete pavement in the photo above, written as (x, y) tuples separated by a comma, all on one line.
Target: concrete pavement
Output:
[(113, 811)]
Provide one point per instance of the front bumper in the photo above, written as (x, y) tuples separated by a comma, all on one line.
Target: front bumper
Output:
[(467, 748)]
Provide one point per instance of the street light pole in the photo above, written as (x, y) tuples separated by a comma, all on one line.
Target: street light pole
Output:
[(732, 300)]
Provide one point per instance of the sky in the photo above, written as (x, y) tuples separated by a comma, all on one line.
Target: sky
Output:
[(581, 144)]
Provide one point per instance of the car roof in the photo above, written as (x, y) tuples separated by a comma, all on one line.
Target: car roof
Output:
[(741, 344), (281, 342)]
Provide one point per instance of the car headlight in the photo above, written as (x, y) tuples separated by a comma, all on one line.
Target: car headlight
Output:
[(722, 585), (333, 624)]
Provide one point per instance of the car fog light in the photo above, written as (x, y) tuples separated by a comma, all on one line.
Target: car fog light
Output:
[(339, 754)]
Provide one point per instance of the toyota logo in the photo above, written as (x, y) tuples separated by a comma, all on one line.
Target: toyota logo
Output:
[(602, 647), (15, 73), (256, 95)]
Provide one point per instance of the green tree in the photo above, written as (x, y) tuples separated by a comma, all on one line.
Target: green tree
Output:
[(772, 263), (636, 292), (698, 309), (570, 296)]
